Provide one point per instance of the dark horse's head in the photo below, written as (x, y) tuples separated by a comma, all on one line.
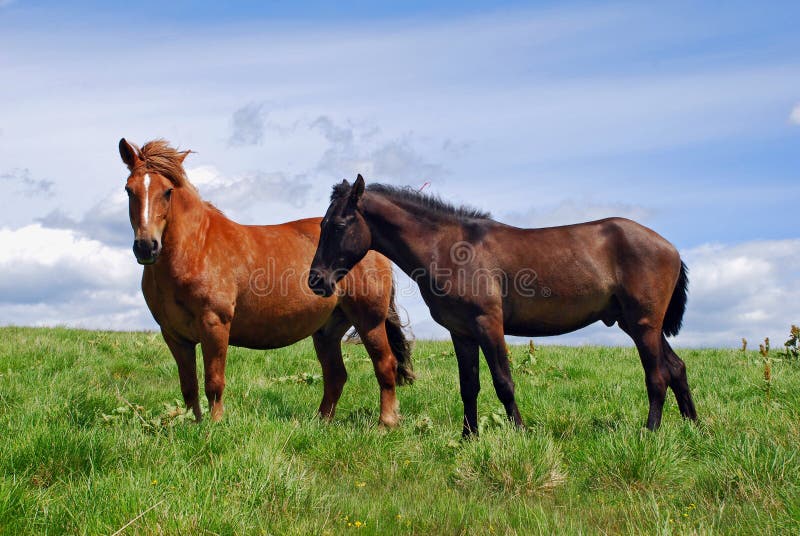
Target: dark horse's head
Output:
[(156, 170), (344, 240)]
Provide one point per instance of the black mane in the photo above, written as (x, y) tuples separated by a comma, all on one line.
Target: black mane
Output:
[(430, 204)]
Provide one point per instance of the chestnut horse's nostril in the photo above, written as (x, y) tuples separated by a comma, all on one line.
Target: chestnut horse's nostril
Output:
[(146, 248)]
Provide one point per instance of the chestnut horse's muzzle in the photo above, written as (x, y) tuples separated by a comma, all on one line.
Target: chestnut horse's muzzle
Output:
[(146, 250)]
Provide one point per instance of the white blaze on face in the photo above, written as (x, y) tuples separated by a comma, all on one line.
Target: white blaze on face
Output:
[(145, 206)]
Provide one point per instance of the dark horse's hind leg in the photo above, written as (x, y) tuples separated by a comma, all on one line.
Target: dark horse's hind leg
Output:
[(469, 381), (678, 382), (328, 344), (656, 374), (493, 344)]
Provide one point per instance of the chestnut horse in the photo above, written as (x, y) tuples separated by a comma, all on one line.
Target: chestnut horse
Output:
[(482, 279), (210, 281)]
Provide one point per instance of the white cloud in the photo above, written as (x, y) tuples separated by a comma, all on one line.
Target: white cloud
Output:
[(106, 221), (247, 125), (25, 184), (360, 149), (56, 276), (250, 197), (794, 115), (749, 290)]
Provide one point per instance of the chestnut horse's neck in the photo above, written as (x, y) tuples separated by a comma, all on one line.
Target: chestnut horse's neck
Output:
[(187, 225), (399, 234)]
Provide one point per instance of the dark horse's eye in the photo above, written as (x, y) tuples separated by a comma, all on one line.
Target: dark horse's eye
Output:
[(340, 225), (168, 193)]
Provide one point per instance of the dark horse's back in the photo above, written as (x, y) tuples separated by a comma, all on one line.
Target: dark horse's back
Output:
[(561, 279)]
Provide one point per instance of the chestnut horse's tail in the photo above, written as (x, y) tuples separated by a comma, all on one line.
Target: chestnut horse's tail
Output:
[(677, 305), (401, 346)]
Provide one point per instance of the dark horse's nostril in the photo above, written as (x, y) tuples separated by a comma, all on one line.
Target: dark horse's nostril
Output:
[(314, 278)]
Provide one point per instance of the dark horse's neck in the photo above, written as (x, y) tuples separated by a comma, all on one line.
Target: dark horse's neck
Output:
[(400, 234)]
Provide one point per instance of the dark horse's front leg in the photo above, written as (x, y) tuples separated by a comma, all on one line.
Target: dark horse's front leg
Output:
[(186, 359), (469, 381), (493, 344)]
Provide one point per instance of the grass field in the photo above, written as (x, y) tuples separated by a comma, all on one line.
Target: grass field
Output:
[(92, 438)]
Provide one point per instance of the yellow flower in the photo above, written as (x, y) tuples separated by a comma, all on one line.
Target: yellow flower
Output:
[(154, 482), (360, 484), (358, 524)]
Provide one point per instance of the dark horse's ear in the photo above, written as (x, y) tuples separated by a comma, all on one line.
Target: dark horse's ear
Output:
[(129, 153), (358, 188)]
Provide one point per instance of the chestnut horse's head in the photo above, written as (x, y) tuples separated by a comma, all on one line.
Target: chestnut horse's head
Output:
[(344, 240), (156, 170)]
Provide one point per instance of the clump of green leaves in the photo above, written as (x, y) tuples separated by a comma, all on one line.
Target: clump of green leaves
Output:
[(306, 378), (527, 363), (173, 413), (793, 344)]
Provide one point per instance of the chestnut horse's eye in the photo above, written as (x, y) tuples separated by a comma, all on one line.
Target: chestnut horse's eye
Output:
[(168, 193)]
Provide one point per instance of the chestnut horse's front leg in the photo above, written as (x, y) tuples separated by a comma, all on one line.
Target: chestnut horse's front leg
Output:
[(185, 357), (214, 342)]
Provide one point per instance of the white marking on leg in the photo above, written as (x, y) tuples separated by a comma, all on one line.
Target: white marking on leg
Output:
[(145, 207)]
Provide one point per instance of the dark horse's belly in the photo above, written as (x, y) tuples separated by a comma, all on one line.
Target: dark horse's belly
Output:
[(557, 317), (543, 329)]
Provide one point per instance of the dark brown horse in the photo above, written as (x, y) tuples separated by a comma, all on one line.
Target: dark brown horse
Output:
[(482, 279), (210, 281)]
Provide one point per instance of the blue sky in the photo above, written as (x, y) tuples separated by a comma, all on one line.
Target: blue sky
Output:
[(684, 116)]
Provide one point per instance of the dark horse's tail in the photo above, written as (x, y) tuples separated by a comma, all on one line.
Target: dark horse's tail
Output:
[(401, 347), (677, 305)]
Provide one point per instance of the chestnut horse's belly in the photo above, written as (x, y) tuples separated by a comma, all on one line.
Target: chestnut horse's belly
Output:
[(264, 324)]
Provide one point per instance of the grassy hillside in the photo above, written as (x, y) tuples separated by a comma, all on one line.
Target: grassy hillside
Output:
[(92, 438)]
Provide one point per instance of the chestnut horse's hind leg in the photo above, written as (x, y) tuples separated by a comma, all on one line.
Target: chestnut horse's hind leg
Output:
[(469, 381), (678, 382), (328, 344), (385, 364), (186, 360)]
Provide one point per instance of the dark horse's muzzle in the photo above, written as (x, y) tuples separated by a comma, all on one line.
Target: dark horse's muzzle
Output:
[(146, 250), (319, 284)]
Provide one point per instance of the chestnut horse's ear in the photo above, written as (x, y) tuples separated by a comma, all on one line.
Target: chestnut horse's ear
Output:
[(184, 154), (358, 188), (128, 153)]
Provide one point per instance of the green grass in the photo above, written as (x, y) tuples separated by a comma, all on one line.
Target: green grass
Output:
[(91, 438)]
